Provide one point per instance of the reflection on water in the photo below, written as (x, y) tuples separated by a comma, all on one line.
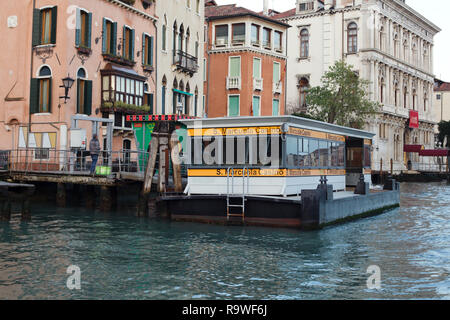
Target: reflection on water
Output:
[(123, 257)]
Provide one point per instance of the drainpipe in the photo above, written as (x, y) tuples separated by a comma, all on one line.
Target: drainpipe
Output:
[(155, 62), (31, 76), (208, 75)]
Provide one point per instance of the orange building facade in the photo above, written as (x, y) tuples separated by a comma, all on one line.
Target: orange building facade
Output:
[(105, 46), (246, 62)]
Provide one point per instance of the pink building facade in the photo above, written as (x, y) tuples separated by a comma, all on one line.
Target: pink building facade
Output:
[(107, 47)]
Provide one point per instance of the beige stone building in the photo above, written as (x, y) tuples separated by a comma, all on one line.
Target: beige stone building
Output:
[(441, 101), (389, 44)]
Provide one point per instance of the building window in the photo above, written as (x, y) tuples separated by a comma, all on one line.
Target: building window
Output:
[(197, 7), (83, 29), (276, 72), (414, 98), (276, 107), (303, 85), (352, 38), (109, 37), (233, 106), (45, 80), (46, 23), (382, 85), (148, 98), (147, 50), (117, 88), (255, 35), (267, 41), (235, 67), (278, 36), (222, 35), (405, 97), (84, 93), (304, 43), (128, 43), (425, 100), (256, 106), (238, 34), (164, 37), (257, 68)]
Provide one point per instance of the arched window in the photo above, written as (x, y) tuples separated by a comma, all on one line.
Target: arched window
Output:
[(304, 43), (425, 99), (84, 91), (196, 101), (352, 38), (414, 98), (396, 97), (175, 33), (164, 34), (382, 86), (303, 86), (181, 38), (42, 91), (405, 97), (163, 95), (126, 147)]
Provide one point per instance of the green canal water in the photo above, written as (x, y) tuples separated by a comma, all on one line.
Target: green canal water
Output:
[(124, 257)]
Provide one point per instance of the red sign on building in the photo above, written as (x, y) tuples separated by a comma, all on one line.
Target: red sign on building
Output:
[(414, 119)]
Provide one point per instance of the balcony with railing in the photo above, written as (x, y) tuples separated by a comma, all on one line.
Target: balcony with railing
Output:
[(185, 62), (277, 87), (233, 83), (257, 84)]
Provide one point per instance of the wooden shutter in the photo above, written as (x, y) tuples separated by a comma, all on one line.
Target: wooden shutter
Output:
[(54, 24), (124, 40), (34, 96), (105, 36), (233, 106), (144, 38), (37, 27), (89, 30), (114, 38), (151, 51), (88, 97), (50, 95), (132, 44), (78, 95)]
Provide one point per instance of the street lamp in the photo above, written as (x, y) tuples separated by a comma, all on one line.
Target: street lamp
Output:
[(67, 85)]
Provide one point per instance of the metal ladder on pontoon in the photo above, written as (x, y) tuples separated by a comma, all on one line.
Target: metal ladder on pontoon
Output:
[(231, 216)]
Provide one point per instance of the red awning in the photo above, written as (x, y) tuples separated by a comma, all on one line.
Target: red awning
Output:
[(412, 148), (434, 153)]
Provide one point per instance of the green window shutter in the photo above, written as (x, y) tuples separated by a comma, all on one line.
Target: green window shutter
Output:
[(276, 107), (34, 96), (54, 24), (88, 97), (235, 67), (124, 40), (78, 95), (78, 28), (89, 30), (256, 106), (105, 30), (233, 106), (50, 96), (37, 27), (132, 45), (114, 38), (257, 68), (151, 51), (276, 72), (144, 38)]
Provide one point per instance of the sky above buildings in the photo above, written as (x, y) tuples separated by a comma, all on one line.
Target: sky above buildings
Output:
[(437, 11)]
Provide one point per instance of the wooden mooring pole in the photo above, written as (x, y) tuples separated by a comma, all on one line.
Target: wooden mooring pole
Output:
[(12, 192)]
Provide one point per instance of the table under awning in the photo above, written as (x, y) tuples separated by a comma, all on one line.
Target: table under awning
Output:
[(416, 148), (434, 153)]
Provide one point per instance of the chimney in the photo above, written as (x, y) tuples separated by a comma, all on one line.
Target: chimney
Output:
[(329, 4), (266, 7)]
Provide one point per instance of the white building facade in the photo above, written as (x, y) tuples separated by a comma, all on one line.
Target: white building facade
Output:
[(180, 48), (387, 43)]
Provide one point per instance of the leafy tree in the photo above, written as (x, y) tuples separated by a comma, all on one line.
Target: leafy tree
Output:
[(444, 132), (342, 98)]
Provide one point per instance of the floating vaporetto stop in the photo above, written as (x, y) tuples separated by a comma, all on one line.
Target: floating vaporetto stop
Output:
[(282, 171)]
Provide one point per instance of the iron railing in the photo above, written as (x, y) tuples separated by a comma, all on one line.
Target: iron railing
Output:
[(431, 167), (185, 61), (4, 160)]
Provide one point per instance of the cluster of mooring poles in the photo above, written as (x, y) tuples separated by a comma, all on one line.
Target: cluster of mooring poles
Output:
[(15, 193)]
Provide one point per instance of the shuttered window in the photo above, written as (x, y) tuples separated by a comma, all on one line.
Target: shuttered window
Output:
[(83, 29), (40, 95), (84, 97), (44, 26), (109, 37), (276, 107), (257, 68), (128, 43), (235, 66), (233, 106), (256, 106), (147, 50)]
